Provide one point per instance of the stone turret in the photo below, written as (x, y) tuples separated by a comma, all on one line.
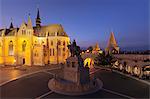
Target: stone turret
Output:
[(112, 46), (96, 49)]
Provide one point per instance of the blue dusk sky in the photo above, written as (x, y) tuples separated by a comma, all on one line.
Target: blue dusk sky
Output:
[(87, 21)]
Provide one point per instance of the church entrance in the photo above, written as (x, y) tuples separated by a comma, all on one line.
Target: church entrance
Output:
[(23, 61)]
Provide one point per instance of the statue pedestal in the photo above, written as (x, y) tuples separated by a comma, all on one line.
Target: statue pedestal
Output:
[(75, 73), (65, 87), (75, 80)]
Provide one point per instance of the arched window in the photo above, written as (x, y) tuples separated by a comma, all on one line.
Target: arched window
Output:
[(59, 43), (24, 46), (57, 33), (48, 34), (23, 32), (64, 43), (11, 52), (51, 43), (59, 52), (64, 49)]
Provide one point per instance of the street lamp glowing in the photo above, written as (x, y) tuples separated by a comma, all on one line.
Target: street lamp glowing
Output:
[(87, 51)]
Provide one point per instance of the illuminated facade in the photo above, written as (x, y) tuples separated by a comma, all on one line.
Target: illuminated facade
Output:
[(28, 45)]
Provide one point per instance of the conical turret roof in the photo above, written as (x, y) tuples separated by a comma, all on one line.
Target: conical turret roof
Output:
[(96, 47), (112, 41)]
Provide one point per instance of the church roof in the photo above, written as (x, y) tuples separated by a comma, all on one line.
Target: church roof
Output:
[(51, 30), (8, 32), (11, 32)]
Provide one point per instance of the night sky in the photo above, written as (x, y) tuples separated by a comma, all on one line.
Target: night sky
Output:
[(87, 21)]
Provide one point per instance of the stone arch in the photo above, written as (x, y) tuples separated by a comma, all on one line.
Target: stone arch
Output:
[(136, 70), (64, 43), (89, 62)]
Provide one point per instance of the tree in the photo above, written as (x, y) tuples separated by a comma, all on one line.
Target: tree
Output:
[(103, 59)]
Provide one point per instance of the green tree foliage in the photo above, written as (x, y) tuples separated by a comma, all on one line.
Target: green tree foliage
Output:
[(103, 59)]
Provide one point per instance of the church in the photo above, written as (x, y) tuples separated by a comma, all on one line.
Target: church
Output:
[(33, 45)]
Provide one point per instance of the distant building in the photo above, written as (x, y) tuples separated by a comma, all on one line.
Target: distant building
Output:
[(38, 45), (112, 46)]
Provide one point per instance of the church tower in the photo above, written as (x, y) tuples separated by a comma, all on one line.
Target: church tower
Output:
[(112, 46), (38, 19)]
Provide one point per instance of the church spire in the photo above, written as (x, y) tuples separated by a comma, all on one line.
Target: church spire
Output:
[(38, 19), (38, 14), (11, 25)]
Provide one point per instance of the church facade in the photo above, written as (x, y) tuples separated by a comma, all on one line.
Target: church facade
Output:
[(33, 45)]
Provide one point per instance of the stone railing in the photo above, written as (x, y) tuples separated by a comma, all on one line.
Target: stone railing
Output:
[(137, 57)]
